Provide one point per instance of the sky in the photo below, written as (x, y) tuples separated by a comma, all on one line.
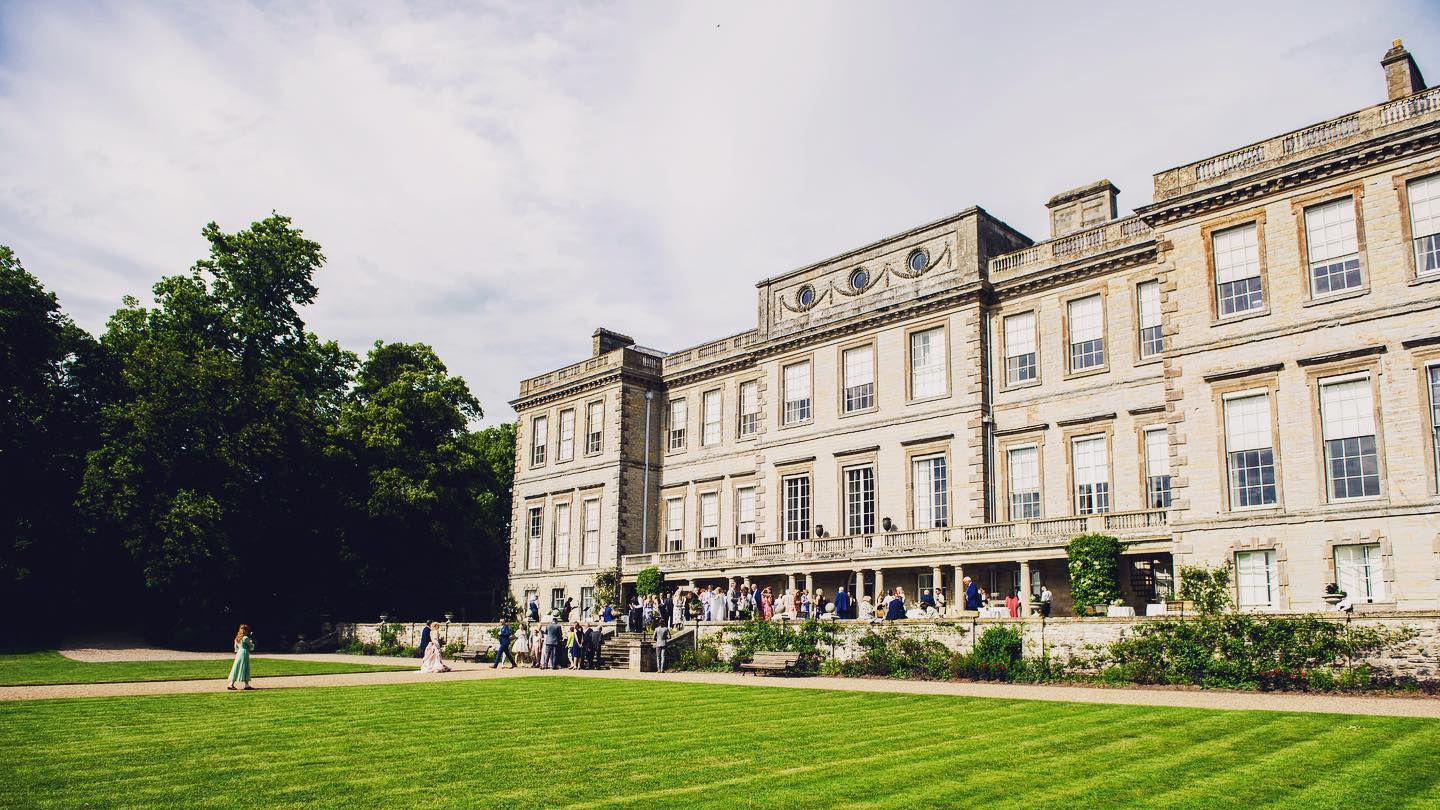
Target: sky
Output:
[(498, 180)]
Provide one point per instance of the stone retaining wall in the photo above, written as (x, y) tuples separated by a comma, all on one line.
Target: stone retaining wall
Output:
[(1066, 639)]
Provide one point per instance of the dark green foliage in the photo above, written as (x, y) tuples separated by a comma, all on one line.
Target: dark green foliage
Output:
[(1243, 650), (887, 653), (812, 639), (1094, 570), (1207, 588), (1000, 644), (607, 587), (704, 657), (649, 581)]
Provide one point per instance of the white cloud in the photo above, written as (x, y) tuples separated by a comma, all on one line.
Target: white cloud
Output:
[(498, 180)]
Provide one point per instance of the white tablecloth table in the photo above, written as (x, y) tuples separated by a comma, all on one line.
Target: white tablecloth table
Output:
[(1156, 609), (994, 613), (1120, 611)]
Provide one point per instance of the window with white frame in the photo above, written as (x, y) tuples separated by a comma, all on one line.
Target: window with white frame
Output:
[(1152, 336), (1433, 373), (679, 413), (535, 525), (1023, 466), (539, 438), (587, 601), (1256, 577), (675, 524), (930, 486), (1021, 359), (1358, 573), (1236, 254), (709, 520), (1424, 196), (565, 450), (710, 418), (1249, 450), (1091, 465), (745, 516), (860, 500), (592, 532), (557, 600), (927, 363), (859, 369), (796, 384), (560, 537), (1157, 468), (749, 408), (1352, 463), (796, 516), (594, 427), (1086, 318), (1334, 250)]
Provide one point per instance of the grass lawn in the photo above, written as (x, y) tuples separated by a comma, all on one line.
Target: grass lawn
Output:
[(50, 667), (551, 742)]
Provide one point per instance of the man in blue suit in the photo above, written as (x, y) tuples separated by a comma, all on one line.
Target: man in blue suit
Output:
[(424, 642), (896, 607), (972, 595), (842, 604), (503, 652)]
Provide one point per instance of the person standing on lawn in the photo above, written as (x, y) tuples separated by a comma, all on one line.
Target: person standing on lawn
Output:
[(503, 652), (662, 637), (433, 661), (240, 670), (554, 636), (424, 642)]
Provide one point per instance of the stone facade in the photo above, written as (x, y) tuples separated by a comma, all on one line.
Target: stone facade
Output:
[(973, 399)]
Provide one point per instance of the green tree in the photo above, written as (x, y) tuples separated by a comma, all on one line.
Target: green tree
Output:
[(211, 469), (53, 377), (649, 581), (1207, 588), (1094, 562), (420, 478)]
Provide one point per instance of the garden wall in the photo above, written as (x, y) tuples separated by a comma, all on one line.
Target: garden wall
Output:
[(1066, 639), (477, 633)]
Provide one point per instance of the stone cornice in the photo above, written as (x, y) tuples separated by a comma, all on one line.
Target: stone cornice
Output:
[(1335, 357), (1236, 373), (581, 385), (1085, 267)]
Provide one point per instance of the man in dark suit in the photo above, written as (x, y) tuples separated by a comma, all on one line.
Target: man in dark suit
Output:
[(593, 639), (896, 608), (503, 652), (554, 637), (424, 642), (972, 595), (533, 608)]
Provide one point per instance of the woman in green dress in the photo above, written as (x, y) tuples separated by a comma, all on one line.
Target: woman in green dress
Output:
[(240, 670)]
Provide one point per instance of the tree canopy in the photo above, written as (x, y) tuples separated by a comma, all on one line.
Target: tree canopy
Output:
[(237, 466)]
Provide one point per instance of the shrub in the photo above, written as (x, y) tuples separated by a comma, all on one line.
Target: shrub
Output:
[(453, 649), (649, 582), (704, 657), (607, 587), (1094, 570), (755, 635), (999, 645), (1245, 651), (1207, 588)]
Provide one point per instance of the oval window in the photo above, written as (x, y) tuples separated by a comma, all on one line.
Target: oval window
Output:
[(860, 279), (918, 261), (806, 297)]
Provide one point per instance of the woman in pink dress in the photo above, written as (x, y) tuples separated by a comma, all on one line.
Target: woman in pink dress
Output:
[(1012, 604), (432, 662), (767, 604)]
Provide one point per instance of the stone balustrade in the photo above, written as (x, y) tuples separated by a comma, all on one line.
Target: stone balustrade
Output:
[(1042, 533), (1055, 252), (1302, 144)]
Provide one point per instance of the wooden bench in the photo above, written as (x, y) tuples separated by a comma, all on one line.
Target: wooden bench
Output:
[(473, 654), (771, 662)]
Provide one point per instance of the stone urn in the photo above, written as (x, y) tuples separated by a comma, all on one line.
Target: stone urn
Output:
[(1333, 598), (449, 617)]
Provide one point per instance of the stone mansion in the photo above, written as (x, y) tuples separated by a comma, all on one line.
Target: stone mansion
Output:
[(1245, 371)]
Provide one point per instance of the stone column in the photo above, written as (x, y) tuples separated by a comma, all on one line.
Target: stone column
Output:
[(937, 580), (957, 593), (809, 582), (859, 586), (790, 582), (746, 581), (1025, 588), (879, 586)]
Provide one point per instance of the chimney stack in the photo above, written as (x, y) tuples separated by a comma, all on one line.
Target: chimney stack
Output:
[(1402, 75), (605, 341)]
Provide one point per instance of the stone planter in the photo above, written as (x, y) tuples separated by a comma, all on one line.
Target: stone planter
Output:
[(1333, 599)]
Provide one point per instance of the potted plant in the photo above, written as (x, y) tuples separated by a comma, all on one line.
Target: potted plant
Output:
[(1333, 594)]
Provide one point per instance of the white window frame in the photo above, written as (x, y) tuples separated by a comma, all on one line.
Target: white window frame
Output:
[(1090, 467), (1235, 252), (1423, 196), (797, 514), (675, 523), (1249, 436), (534, 537), (798, 407), (709, 520), (1156, 441), (539, 440), (1023, 483), (1344, 418), (1147, 311), (930, 491), (710, 416), (1085, 333), (745, 515), (560, 537), (929, 355), (1332, 244), (858, 378), (1256, 579), (1022, 354), (592, 531), (565, 444), (859, 497), (1361, 575), (749, 408), (679, 412), (1432, 384), (594, 427)]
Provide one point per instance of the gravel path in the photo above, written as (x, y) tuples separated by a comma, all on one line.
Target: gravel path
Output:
[(1383, 706)]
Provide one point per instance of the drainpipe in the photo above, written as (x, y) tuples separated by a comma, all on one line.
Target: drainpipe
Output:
[(987, 424), (645, 479)]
